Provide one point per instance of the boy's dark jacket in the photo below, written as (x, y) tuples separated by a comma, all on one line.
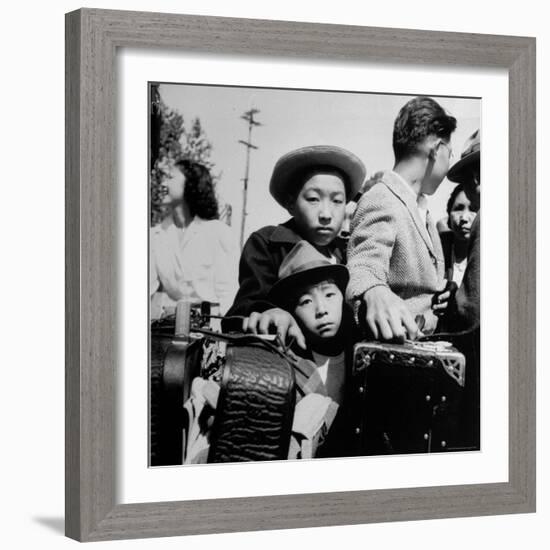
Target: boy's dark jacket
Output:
[(261, 258)]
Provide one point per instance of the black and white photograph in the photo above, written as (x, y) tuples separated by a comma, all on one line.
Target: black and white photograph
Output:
[(314, 274)]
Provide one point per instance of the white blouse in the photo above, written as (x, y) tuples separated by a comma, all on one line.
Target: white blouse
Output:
[(199, 262)]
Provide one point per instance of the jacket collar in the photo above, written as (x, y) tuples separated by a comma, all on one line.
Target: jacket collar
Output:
[(398, 187), (191, 230), (288, 233)]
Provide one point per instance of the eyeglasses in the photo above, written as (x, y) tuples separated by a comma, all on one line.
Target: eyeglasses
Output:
[(451, 155)]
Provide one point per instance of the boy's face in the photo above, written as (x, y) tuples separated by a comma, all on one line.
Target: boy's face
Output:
[(319, 208), (319, 309)]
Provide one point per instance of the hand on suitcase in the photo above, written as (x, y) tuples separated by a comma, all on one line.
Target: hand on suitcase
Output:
[(387, 316), (275, 321)]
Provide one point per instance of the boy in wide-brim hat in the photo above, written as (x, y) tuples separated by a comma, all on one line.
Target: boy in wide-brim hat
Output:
[(314, 184)]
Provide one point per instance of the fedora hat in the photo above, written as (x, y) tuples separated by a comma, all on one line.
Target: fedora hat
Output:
[(291, 165), (460, 171), (305, 265)]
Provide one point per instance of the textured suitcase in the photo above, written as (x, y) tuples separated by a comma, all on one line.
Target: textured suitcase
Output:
[(407, 398), (255, 408)]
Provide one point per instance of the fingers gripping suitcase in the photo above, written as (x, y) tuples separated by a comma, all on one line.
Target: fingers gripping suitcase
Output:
[(407, 397)]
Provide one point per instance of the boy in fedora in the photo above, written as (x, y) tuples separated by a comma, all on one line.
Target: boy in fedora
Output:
[(395, 258), (312, 289), (314, 184)]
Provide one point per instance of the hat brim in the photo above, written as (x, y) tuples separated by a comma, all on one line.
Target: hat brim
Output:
[(285, 290), (291, 164), (461, 171)]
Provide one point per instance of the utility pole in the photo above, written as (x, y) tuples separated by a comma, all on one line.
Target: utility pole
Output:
[(249, 117)]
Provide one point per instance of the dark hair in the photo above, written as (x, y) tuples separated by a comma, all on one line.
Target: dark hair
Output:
[(454, 194), (304, 174), (198, 192), (419, 118)]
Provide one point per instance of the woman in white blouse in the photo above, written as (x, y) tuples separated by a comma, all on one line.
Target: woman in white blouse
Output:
[(193, 255)]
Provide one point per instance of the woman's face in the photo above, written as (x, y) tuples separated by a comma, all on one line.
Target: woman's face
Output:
[(461, 216), (175, 184)]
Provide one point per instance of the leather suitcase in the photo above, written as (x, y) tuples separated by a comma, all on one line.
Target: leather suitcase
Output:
[(407, 398), (255, 407)]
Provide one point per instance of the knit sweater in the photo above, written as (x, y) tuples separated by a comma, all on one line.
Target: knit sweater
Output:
[(391, 246)]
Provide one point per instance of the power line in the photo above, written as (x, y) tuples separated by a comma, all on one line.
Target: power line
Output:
[(249, 117)]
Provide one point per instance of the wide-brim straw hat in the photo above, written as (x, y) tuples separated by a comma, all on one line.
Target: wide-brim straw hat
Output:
[(283, 179), (461, 171), (303, 266)]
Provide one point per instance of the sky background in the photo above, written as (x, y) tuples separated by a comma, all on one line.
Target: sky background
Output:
[(359, 122)]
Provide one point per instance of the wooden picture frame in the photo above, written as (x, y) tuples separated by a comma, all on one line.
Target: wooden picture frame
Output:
[(92, 39)]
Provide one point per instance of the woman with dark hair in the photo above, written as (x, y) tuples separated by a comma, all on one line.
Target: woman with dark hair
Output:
[(462, 208), (193, 255)]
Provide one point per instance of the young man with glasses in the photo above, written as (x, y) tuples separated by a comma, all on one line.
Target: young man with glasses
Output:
[(395, 258)]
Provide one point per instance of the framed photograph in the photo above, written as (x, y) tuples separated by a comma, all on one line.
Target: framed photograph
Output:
[(191, 141)]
